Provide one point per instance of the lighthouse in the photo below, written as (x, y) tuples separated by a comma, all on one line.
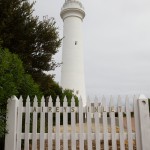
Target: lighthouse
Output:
[(72, 72)]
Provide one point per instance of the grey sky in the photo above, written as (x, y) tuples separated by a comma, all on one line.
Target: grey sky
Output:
[(117, 44)]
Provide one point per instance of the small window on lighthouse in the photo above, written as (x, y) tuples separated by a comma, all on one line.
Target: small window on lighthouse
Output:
[(77, 92), (76, 42)]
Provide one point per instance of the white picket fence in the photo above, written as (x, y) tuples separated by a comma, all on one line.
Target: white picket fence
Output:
[(30, 127)]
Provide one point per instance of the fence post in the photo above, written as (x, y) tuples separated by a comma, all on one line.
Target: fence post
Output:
[(10, 138), (144, 119)]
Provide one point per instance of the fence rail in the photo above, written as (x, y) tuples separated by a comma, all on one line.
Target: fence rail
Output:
[(97, 126)]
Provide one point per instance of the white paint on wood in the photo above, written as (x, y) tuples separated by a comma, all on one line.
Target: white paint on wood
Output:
[(57, 124), (105, 125), (121, 125), (89, 127), (137, 124), (10, 138), (144, 122), (81, 128), (113, 125), (142, 97), (73, 125), (34, 124), (97, 128), (50, 124), (65, 124), (27, 124), (129, 125), (42, 124), (19, 123)]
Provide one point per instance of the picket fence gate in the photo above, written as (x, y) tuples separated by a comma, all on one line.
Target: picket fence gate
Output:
[(30, 127)]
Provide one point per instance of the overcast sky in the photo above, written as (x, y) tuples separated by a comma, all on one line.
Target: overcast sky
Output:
[(116, 44)]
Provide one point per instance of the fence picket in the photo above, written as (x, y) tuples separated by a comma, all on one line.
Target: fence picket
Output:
[(65, 124), (89, 127), (50, 123), (137, 124), (113, 125), (97, 128), (105, 125), (73, 125), (11, 136), (144, 117), (34, 124), (19, 123), (42, 124), (121, 126), (57, 124), (27, 124), (81, 124), (129, 125)]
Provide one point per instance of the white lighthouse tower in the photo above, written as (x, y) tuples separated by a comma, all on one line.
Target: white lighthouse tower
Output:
[(72, 75)]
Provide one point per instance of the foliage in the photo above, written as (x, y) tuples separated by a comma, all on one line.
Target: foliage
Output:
[(29, 87), (49, 87), (13, 81), (69, 94), (34, 41), (55, 90), (10, 74)]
